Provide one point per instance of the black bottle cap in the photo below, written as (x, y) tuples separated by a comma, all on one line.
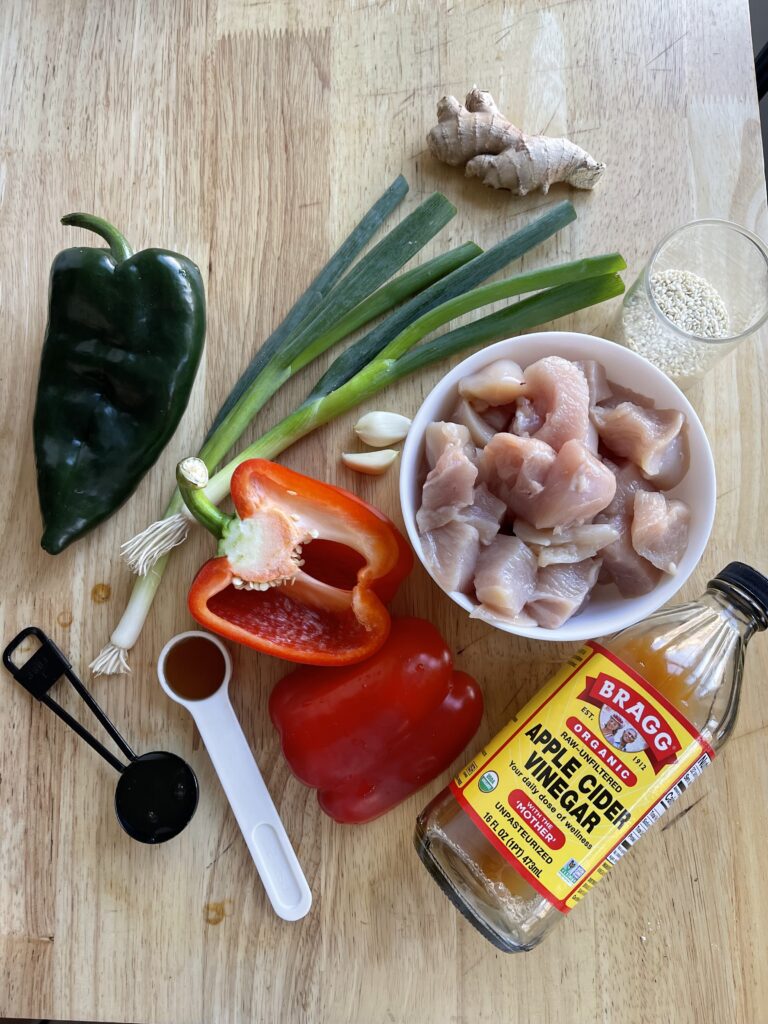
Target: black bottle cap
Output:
[(746, 579)]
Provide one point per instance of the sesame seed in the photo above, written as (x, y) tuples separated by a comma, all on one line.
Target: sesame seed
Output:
[(693, 306)]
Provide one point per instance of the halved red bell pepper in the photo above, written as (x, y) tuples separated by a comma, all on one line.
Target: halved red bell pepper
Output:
[(304, 567), (367, 736)]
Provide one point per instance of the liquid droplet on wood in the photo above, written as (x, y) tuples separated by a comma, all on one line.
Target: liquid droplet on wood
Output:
[(101, 593), (214, 913)]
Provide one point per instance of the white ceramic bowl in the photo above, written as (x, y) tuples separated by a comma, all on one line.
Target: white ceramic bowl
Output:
[(606, 611)]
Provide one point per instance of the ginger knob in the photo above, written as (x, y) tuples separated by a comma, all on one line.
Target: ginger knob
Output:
[(501, 155)]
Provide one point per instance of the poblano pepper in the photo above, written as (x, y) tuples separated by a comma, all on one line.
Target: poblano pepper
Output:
[(124, 339)]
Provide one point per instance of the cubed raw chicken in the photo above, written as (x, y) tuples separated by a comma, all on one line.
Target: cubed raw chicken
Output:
[(441, 435), (494, 618), (619, 394), (514, 468), (561, 591), (480, 431), (559, 391), (660, 529), (449, 487), (577, 487), (498, 383), (485, 513), (673, 464), (505, 576), (500, 416), (622, 565), (654, 439), (573, 544), (597, 382), (629, 480), (451, 553), (526, 420)]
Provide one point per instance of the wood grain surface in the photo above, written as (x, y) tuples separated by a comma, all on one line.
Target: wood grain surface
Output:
[(252, 136)]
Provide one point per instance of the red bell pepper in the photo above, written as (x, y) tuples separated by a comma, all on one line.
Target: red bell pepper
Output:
[(304, 567), (367, 736)]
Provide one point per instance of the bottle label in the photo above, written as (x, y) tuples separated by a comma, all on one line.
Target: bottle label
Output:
[(580, 774)]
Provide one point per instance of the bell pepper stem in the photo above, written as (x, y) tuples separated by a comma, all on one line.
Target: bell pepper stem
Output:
[(118, 244), (192, 476)]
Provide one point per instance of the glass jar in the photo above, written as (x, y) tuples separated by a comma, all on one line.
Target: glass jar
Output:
[(587, 766), (704, 289)]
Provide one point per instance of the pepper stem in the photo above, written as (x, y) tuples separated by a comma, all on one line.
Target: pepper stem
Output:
[(192, 476), (118, 244)]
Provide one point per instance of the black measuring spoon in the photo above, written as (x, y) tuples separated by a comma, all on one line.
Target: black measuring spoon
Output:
[(157, 792)]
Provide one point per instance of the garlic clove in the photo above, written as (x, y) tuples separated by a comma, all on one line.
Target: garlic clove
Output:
[(372, 463), (379, 429)]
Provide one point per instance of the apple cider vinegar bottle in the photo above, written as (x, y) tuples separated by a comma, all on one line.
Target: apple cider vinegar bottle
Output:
[(600, 753)]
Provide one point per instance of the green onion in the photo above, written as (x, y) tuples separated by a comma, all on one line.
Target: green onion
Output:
[(304, 308), (313, 338), (469, 276), (396, 361)]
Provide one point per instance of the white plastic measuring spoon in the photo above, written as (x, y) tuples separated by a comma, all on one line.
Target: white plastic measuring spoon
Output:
[(246, 791)]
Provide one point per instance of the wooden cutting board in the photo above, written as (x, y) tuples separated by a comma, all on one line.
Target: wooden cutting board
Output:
[(252, 136)]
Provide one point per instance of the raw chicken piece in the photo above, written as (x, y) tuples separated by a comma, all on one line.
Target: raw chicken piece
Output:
[(559, 392), (597, 382), (526, 420), (499, 417), (514, 468), (629, 480), (592, 440), (480, 431), (561, 591), (632, 574), (660, 530), (565, 554), (485, 513), (674, 463), (570, 545), (652, 438), (451, 554), (448, 488), (590, 534), (621, 394), (576, 488), (495, 618), (505, 576), (439, 436), (497, 384)]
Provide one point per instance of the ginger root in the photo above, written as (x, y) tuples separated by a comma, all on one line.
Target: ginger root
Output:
[(501, 155)]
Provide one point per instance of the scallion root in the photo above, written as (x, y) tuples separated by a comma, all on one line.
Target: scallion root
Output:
[(110, 661), (144, 550)]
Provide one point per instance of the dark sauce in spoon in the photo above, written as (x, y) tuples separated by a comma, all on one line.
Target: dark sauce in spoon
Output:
[(194, 668)]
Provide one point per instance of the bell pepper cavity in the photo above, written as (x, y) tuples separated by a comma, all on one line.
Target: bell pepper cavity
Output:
[(257, 591)]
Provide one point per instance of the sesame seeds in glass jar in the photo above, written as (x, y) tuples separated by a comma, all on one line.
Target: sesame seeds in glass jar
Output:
[(704, 289), (691, 303)]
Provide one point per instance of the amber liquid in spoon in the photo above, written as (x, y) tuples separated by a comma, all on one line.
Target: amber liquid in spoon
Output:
[(194, 668)]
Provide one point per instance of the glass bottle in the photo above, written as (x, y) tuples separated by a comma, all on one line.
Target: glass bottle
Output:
[(692, 656)]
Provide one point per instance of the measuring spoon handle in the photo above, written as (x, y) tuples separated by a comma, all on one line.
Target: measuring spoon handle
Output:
[(254, 810)]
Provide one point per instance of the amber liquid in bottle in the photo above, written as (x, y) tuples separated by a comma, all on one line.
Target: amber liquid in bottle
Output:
[(693, 654)]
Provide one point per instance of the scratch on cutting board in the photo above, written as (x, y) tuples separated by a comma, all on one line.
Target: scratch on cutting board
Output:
[(682, 814), (227, 847), (475, 641), (666, 50)]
